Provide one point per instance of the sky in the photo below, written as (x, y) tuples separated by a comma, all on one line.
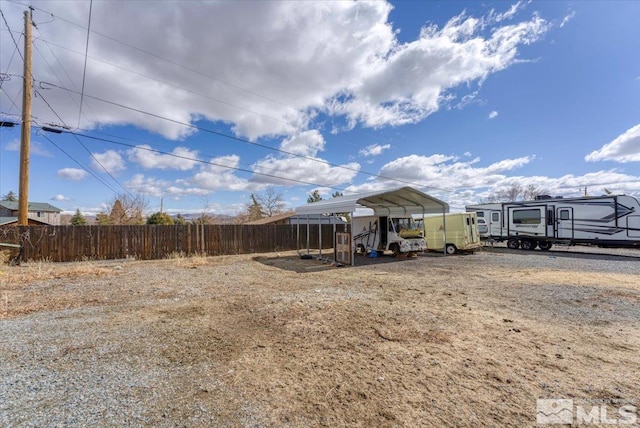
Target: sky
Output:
[(197, 105)]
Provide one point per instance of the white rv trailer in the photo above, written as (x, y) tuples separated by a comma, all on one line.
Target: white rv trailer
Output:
[(607, 221)]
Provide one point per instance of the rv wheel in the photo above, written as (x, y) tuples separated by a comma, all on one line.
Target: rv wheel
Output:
[(528, 244), (451, 249), (513, 243), (545, 245), (360, 249)]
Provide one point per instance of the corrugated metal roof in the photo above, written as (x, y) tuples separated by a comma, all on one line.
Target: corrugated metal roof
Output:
[(401, 201)]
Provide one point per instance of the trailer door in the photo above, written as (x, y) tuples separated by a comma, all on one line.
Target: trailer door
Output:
[(495, 224), (564, 223)]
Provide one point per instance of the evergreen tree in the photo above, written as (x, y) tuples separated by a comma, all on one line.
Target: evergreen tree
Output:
[(255, 210), (117, 215), (103, 219), (10, 197), (78, 219), (160, 218), (179, 219), (314, 197)]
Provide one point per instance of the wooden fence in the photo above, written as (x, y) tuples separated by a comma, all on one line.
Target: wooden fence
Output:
[(146, 242)]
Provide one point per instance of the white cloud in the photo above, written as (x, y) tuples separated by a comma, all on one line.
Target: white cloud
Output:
[(412, 82), (493, 114), (109, 160), (509, 14), (290, 170), (568, 18), (307, 143), (35, 148), (60, 198), (74, 174), (465, 182), (146, 186), (624, 148), (374, 149), (299, 58), (181, 158), (219, 174)]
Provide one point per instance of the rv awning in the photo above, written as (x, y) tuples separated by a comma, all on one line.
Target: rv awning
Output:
[(402, 201)]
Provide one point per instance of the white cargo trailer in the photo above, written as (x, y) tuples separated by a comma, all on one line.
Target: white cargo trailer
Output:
[(607, 221), (456, 232)]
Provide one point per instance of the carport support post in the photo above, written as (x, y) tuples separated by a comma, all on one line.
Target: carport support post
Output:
[(308, 234), (320, 236), (298, 236), (352, 247), (333, 220)]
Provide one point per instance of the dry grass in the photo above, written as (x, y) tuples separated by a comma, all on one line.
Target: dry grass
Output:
[(279, 341)]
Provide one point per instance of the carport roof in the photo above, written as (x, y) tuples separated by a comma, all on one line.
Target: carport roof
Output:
[(401, 201)]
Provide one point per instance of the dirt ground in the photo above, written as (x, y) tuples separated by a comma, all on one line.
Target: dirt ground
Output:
[(273, 340)]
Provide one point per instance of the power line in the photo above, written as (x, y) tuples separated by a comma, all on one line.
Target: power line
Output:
[(231, 137), (208, 130), (83, 146), (163, 59), (60, 65), (164, 82), (84, 72), (177, 64), (11, 33), (107, 185), (149, 149)]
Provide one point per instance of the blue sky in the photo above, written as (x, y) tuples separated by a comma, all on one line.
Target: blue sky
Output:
[(460, 99)]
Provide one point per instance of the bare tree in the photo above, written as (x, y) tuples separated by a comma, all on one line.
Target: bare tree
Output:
[(128, 208), (516, 192), (270, 201)]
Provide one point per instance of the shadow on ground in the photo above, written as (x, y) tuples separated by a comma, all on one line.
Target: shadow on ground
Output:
[(315, 264)]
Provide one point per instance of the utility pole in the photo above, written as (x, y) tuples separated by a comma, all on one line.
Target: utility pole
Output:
[(25, 137)]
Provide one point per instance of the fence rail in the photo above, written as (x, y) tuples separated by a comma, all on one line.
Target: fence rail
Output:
[(146, 242)]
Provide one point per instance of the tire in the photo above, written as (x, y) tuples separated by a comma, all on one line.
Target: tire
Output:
[(450, 249), (528, 244), (513, 243), (395, 249), (545, 245), (360, 249)]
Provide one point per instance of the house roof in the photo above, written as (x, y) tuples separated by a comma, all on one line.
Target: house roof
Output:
[(33, 206), (4, 221), (400, 201), (271, 219), (7, 220)]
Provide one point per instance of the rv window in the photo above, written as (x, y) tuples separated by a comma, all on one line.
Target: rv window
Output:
[(564, 214), (495, 217), (480, 213), (468, 222), (526, 216)]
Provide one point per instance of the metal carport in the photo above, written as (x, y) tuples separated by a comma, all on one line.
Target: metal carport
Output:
[(400, 201)]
